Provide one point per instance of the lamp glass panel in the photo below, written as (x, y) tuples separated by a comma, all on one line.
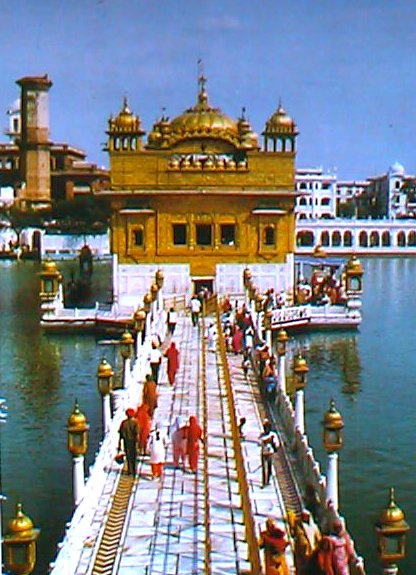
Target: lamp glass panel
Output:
[(392, 545), (19, 554), (48, 285)]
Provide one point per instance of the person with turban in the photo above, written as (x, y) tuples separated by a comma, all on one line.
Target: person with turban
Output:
[(274, 543)]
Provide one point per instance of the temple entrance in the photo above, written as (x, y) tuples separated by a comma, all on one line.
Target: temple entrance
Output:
[(203, 284)]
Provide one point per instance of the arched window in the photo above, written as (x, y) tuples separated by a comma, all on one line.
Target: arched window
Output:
[(363, 239), (303, 201), (401, 239), (325, 239), (374, 240), (305, 238), (325, 201), (385, 239), (138, 236), (269, 236), (411, 239), (336, 239), (347, 239)]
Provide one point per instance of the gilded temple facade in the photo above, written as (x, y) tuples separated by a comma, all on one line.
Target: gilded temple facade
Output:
[(201, 199)]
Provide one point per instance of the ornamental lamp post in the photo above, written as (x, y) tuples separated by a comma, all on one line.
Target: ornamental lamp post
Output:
[(354, 276), (126, 350), (267, 324), (20, 544), (139, 324), (282, 339), (159, 279), (333, 442), (77, 429), (50, 287), (391, 534), (147, 305), (258, 306), (300, 370), (105, 376), (246, 283)]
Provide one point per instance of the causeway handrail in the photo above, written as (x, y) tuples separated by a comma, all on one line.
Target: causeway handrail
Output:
[(249, 524)]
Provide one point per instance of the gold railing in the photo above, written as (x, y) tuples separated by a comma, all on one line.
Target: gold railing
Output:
[(251, 538), (207, 519)]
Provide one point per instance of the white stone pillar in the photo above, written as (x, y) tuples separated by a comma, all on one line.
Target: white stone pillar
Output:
[(106, 413), (281, 372), (332, 480), (269, 338), (391, 570), (300, 411), (119, 399), (78, 478)]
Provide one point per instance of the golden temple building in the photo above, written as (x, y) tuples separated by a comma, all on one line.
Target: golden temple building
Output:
[(201, 199)]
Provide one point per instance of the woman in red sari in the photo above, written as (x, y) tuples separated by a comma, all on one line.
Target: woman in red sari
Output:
[(145, 423), (193, 437), (172, 355)]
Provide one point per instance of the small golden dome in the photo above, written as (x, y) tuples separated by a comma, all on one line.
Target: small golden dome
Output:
[(77, 419), (354, 265), (21, 523), (319, 252), (300, 365), (282, 336), (104, 369), (280, 123), (125, 121), (392, 514), (332, 418), (49, 266), (126, 337)]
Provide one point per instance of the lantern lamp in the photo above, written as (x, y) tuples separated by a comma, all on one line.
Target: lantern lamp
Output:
[(147, 301), (267, 319), (126, 344), (159, 278), (319, 252), (246, 277), (105, 376), (300, 369), (282, 339), (20, 544), (50, 278), (333, 425), (139, 319), (77, 432), (258, 302), (153, 291), (391, 532), (354, 276)]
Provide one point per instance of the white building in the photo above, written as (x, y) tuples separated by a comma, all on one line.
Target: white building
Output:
[(317, 194)]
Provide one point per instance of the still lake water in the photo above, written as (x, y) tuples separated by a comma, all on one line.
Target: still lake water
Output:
[(370, 374)]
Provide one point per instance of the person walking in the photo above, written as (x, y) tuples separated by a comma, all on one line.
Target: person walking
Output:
[(172, 355), (149, 395), (157, 446), (172, 320), (145, 423), (193, 439), (269, 444), (178, 440), (128, 435), (274, 543), (196, 306), (155, 359)]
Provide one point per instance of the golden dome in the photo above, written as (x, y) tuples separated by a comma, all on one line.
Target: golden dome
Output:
[(300, 365), (354, 265), (204, 121), (49, 266), (333, 418), (125, 121), (104, 369), (126, 337), (77, 419), (21, 523), (392, 514), (280, 123)]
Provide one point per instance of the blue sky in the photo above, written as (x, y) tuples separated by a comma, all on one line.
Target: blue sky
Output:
[(344, 69)]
